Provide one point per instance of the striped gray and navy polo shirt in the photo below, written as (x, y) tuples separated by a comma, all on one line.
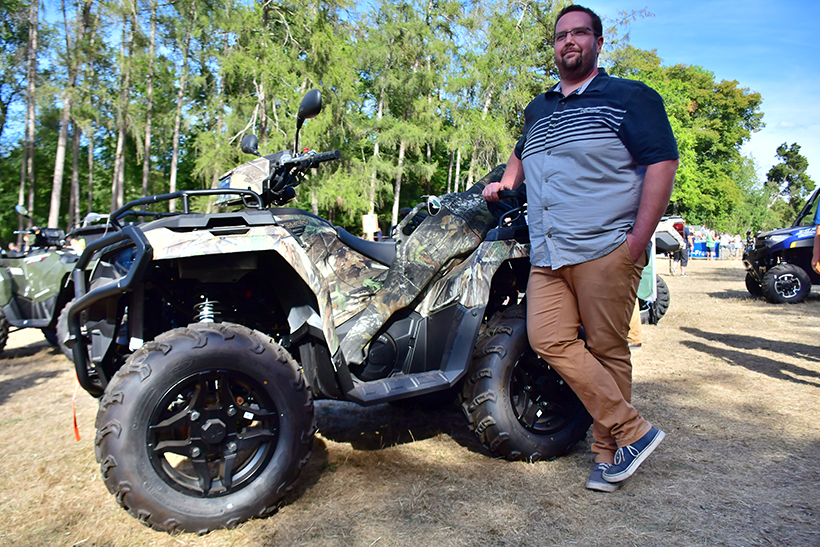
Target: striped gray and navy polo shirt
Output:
[(584, 159)]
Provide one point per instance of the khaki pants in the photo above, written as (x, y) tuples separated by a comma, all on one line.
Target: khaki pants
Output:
[(634, 336), (600, 294)]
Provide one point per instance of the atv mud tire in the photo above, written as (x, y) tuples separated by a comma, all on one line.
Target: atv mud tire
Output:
[(516, 404), (652, 312), (4, 331), (753, 286), (786, 283), (62, 331), (204, 428), (50, 336)]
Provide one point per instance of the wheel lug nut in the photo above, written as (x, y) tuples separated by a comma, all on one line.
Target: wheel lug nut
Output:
[(195, 452), (194, 415)]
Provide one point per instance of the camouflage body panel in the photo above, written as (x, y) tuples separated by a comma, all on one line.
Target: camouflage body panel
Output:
[(342, 280), (469, 282), (457, 229)]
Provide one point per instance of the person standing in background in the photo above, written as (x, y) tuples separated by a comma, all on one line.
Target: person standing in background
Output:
[(688, 245), (710, 244)]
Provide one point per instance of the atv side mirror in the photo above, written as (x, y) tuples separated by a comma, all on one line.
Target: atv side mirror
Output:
[(22, 211), (310, 107), (250, 144)]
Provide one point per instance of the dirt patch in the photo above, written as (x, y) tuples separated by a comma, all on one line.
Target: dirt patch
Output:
[(734, 382)]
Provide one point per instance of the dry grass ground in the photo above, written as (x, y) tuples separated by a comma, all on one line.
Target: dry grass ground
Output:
[(732, 380)]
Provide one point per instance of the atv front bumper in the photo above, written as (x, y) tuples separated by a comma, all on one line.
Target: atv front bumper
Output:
[(90, 378)]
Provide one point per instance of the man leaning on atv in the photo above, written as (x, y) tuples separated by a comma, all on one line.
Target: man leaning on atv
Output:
[(605, 186)]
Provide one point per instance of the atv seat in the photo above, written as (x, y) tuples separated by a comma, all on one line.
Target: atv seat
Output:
[(383, 252)]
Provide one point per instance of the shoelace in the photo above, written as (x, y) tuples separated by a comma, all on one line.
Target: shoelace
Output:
[(602, 466), (619, 454)]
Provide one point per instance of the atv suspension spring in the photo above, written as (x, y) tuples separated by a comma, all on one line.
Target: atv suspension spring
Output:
[(206, 311)]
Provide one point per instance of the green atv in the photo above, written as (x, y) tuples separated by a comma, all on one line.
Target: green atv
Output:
[(35, 283)]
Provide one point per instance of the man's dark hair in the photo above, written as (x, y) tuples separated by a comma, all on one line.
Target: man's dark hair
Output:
[(597, 26)]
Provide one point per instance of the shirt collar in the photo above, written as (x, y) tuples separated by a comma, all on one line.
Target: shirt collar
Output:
[(599, 78)]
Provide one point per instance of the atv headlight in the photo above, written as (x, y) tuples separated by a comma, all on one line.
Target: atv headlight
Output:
[(122, 260), (114, 264)]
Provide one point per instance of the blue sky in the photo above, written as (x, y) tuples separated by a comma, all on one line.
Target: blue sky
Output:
[(769, 47)]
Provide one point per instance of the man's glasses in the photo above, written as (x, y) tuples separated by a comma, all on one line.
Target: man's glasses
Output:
[(577, 32)]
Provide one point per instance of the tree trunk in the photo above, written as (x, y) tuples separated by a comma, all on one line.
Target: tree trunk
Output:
[(178, 117), (429, 162), (118, 184), (220, 108), (31, 75), (458, 170), (89, 77), (474, 157), (450, 174), (74, 193), (65, 119), (91, 170), (59, 164), (397, 189), (21, 196), (379, 116), (149, 95)]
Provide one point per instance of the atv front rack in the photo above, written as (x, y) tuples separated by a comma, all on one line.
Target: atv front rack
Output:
[(185, 196)]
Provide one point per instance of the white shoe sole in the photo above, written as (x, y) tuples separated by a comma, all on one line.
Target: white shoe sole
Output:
[(603, 486)]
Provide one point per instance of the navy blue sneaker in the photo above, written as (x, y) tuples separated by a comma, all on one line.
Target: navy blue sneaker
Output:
[(629, 458), (596, 480)]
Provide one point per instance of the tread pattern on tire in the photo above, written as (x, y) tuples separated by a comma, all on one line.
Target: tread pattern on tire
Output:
[(482, 403), (138, 369)]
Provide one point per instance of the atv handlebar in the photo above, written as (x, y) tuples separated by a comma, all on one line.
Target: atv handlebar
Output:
[(316, 159), (288, 174)]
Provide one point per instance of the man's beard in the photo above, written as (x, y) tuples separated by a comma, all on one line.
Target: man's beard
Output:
[(574, 66)]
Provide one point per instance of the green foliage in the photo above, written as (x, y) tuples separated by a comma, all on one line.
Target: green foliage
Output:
[(788, 179), (452, 78), (711, 121)]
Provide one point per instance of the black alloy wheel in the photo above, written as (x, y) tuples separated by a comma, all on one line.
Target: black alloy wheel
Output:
[(213, 433), (517, 405), (543, 403), (204, 427)]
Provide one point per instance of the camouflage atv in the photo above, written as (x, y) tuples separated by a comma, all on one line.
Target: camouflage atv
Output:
[(208, 336), (34, 283)]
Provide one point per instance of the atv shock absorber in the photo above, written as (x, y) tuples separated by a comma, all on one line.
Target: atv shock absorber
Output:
[(206, 311)]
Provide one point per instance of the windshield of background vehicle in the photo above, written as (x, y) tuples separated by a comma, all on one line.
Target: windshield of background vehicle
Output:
[(806, 217)]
